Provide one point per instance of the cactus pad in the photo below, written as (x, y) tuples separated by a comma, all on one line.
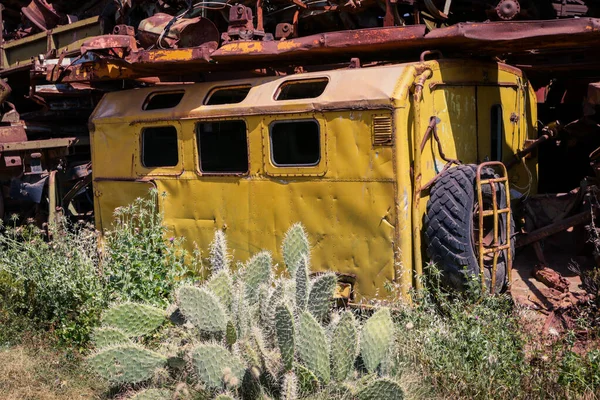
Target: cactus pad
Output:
[(134, 319), (295, 247), (289, 387), (221, 284), (312, 346), (108, 336), (382, 389), (219, 255), (126, 363), (284, 327), (344, 341), (302, 282), (230, 334), (217, 367), (376, 337), (202, 308), (307, 381), (259, 270), (321, 292), (152, 394), (224, 396)]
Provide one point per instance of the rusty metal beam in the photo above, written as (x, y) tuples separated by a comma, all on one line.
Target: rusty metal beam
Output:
[(554, 228)]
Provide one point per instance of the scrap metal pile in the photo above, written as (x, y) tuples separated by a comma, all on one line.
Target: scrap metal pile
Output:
[(58, 57)]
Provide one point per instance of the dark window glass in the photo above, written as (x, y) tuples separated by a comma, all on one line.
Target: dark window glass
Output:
[(159, 147), (231, 95), (223, 146), (497, 129), (157, 101), (295, 143), (305, 89)]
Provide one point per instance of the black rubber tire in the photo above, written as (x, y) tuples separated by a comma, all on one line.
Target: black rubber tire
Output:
[(449, 226)]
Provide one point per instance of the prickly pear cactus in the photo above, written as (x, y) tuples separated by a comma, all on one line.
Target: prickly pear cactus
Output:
[(107, 336), (241, 310), (219, 255), (134, 319), (284, 328), (221, 285), (295, 247), (312, 346), (289, 387), (230, 333), (307, 381), (216, 367), (376, 337), (321, 291), (258, 270), (224, 396), (302, 282), (344, 341), (128, 363), (382, 389), (202, 308), (153, 394)]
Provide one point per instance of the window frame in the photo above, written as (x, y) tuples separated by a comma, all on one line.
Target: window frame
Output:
[(158, 93), (300, 81), (271, 147), (213, 90), (197, 154), (270, 169), (139, 167)]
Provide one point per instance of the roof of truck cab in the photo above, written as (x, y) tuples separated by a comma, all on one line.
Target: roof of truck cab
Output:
[(378, 87)]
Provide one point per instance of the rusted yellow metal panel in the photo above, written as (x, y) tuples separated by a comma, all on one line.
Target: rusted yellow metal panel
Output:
[(356, 201)]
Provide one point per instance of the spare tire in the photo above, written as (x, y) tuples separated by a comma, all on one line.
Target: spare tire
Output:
[(452, 227)]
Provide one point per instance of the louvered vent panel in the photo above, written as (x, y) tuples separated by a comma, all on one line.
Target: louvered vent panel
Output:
[(382, 130)]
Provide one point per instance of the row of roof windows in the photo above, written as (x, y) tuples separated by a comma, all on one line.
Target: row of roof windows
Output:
[(290, 90)]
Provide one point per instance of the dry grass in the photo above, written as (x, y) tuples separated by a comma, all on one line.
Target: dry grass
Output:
[(33, 371)]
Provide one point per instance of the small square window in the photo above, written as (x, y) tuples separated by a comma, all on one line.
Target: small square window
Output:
[(227, 95), (223, 147), (159, 101), (295, 143), (159, 147), (302, 89)]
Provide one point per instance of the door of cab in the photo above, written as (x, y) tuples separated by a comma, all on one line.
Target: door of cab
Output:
[(498, 127)]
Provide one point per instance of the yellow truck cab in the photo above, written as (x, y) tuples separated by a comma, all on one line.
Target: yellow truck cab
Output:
[(334, 150)]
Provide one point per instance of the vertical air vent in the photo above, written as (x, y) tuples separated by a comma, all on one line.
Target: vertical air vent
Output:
[(382, 130)]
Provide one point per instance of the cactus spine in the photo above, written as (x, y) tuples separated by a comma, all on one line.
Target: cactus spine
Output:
[(259, 270), (216, 367), (126, 363), (134, 319), (284, 327), (302, 282), (219, 255), (152, 394), (312, 346), (376, 337), (107, 336), (221, 285), (344, 341), (381, 389), (295, 247), (202, 308), (289, 387), (321, 292)]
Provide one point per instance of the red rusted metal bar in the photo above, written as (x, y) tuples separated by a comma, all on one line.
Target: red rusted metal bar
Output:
[(554, 228)]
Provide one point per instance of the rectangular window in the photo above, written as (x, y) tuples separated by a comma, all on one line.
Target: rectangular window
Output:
[(159, 147), (159, 101), (302, 89), (228, 95), (223, 146), (295, 143), (497, 129)]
